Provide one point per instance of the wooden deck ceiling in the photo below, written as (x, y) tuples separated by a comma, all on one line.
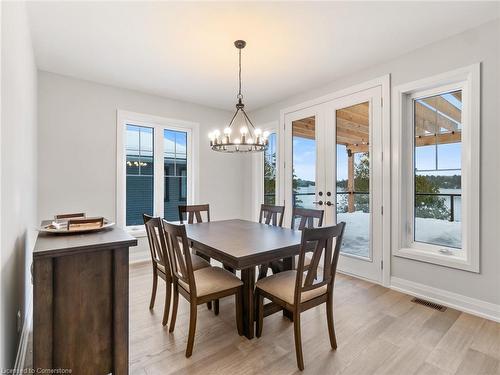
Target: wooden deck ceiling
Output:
[(436, 122)]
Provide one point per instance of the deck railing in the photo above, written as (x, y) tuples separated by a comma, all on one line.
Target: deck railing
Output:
[(450, 196)]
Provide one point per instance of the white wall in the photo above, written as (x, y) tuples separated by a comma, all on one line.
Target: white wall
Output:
[(77, 148), (18, 172), (477, 45)]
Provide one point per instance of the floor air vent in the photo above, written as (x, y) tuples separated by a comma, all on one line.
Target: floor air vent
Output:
[(430, 304)]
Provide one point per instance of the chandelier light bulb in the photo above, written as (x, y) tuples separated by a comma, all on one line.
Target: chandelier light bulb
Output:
[(257, 132), (244, 130), (265, 134), (227, 131), (237, 141), (217, 133), (249, 141)]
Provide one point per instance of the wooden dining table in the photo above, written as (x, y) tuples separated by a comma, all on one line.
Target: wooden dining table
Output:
[(244, 245)]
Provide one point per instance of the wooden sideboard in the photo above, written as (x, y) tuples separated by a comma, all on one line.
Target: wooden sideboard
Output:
[(80, 302)]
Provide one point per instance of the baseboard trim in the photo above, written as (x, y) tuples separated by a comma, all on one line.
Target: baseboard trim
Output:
[(456, 301), (23, 346), (360, 277)]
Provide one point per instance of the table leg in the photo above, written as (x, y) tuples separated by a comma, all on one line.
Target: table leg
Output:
[(288, 264), (248, 278)]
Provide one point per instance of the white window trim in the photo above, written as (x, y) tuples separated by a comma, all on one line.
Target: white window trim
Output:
[(158, 124), (258, 171), (468, 80)]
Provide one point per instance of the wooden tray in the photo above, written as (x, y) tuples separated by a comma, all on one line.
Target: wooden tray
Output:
[(49, 228)]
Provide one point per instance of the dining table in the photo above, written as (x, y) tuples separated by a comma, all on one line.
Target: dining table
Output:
[(244, 245)]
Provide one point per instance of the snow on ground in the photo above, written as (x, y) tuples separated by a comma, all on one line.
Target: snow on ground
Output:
[(356, 235), (439, 232)]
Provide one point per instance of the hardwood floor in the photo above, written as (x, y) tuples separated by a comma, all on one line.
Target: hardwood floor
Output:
[(379, 331)]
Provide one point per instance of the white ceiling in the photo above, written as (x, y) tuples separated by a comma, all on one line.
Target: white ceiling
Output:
[(185, 50)]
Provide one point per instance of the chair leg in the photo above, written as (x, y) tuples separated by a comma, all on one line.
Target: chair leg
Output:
[(259, 303), (298, 340), (329, 319), (209, 305), (216, 307), (192, 328), (239, 311), (153, 291), (174, 308), (263, 271), (168, 297)]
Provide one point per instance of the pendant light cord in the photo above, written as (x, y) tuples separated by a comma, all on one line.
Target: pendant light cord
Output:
[(239, 76)]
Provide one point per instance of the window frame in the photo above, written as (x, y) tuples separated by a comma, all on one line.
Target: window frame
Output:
[(258, 171), (467, 80), (158, 124)]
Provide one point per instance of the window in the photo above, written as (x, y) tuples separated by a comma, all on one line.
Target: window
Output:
[(175, 172), (437, 122), (155, 168), (139, 167), (265, 171), (436, 157), (270, 171)]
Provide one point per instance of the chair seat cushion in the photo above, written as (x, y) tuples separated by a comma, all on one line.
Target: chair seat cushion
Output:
[(197, 261), (211, 280), (282, 285)]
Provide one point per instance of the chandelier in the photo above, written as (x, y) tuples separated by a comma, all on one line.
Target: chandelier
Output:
[(248, 138)]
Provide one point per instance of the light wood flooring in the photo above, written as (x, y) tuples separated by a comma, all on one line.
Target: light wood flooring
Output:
[(379, 331)]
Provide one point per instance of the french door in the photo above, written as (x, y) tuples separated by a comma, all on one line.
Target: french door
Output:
[(333, 162)]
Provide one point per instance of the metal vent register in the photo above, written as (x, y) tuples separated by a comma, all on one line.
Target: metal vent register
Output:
[(430, 304)]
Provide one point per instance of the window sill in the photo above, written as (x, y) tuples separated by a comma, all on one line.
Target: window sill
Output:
[(435, 257)]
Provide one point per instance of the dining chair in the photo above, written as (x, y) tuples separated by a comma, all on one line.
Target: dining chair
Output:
[(193, 214), (270, 215), (198, 286), (299, 290), (307, 218), (160, 261), (193, 211)]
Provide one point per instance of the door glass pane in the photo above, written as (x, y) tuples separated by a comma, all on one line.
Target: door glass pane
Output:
[(175, 172), (270, 171), (353, 178), (437, 175), (304, 163), (139, 173)]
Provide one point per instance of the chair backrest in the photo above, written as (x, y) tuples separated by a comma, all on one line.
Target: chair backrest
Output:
[(157, 241), (307, 216), (193, 211), (270, 213), (320, 240), (179, 254)]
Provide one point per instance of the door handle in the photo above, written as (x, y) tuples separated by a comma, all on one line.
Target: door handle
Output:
[(318, 202)]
